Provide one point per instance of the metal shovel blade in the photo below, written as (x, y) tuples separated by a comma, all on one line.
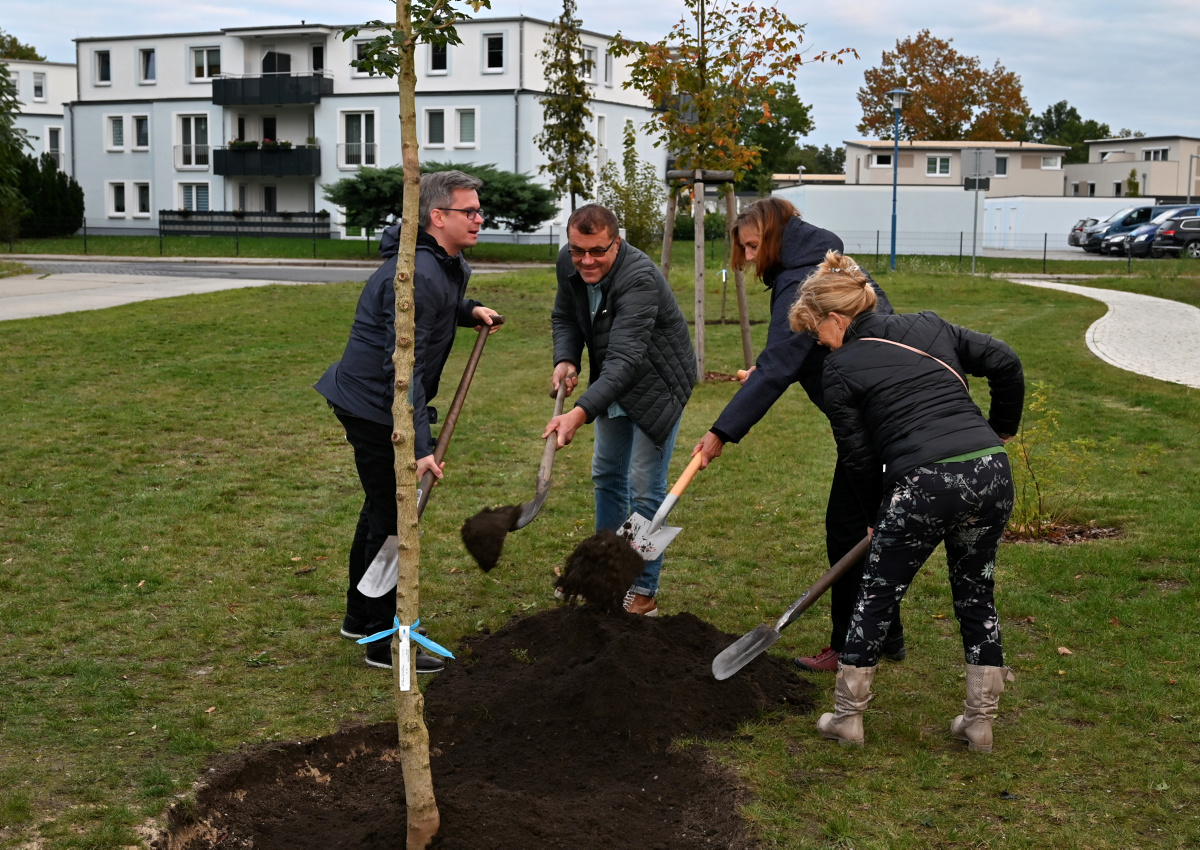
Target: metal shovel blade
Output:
[(648, 544), (384, 570), (742, 651)]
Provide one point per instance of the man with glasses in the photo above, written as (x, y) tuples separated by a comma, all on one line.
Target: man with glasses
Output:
[(359, 386), (613, 300)]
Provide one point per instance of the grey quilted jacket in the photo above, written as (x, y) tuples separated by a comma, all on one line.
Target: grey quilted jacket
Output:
[(639, 348)]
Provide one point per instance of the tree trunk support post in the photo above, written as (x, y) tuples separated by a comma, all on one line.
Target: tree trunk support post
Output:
[(669, 231), (698, 213)]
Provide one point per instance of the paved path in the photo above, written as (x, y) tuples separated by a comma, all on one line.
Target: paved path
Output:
[(67, 287), (1140, 333)]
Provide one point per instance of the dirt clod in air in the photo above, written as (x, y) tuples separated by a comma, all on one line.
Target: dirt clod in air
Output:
[(600, 571), (484, 533), (556, 731)]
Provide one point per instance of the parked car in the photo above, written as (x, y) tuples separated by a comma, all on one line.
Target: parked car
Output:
[(1122, 221), (1139, 242), (1073, 238), (1179, 236)]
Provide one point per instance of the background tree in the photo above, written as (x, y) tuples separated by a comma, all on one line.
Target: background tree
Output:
[(59, 207), (1061, 124), (636, 196), (12, 151), (392, 53), (824, 160), (777, 140), (373, 196), (954, 97), (565, 139), (714, 71), (12, 48)]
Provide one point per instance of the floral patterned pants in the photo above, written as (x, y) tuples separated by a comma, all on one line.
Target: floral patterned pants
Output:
[(966, 504)]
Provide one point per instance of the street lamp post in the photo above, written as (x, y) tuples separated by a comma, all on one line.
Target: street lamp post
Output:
[(897, 96)]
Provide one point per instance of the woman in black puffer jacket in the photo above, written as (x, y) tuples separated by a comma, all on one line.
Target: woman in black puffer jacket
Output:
[(927, 465)]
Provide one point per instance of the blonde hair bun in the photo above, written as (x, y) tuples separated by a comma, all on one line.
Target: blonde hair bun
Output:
[(838, 262)]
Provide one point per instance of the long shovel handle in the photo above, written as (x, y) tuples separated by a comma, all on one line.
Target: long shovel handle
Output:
[(672, 499), (456, 406), (552, 441), (823, 584)]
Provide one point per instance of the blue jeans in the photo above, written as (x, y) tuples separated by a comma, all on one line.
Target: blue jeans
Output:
[(630, 474)]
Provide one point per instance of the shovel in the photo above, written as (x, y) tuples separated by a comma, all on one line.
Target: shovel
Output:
[(382, 574), (484, 533), (649, 537), (752, 644)]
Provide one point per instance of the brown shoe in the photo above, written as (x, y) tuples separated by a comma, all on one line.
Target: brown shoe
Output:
[(825, 661), (636, 603)]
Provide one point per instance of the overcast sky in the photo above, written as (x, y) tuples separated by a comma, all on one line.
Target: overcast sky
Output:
[(1125, 64)]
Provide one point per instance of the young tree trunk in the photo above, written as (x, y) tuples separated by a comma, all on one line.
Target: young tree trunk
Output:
[(739, 280), (669, 232), (423, 816), (698, 212)]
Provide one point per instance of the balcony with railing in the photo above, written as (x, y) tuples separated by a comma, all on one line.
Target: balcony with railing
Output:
[(357, 154), (277, 89), (191, 157), (245, 160)]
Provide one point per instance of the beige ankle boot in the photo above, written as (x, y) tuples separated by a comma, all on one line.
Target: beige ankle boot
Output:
[(974, 725), (851, 694)]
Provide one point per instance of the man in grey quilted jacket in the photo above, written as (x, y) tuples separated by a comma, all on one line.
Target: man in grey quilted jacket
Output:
[(613, 300)]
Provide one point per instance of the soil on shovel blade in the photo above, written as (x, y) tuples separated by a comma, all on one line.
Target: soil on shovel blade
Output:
[(554, 732), (600, 570)]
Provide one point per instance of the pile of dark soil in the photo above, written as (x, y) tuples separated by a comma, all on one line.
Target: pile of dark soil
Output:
[(600, 570), (556, 731)]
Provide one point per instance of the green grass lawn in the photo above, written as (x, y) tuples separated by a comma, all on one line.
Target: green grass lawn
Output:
[(176, 506)]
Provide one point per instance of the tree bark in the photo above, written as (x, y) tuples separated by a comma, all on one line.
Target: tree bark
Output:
[(669, 232), (424, 819), (698, 212), (739, 280)]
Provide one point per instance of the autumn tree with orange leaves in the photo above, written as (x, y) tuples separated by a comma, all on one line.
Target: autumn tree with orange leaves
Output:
[(954, 97)]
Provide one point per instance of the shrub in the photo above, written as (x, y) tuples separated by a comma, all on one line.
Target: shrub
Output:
[(55, 201)]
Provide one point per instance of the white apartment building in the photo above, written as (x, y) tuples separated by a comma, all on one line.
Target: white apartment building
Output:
[(171, 122), (43, 91), (1159, 166)]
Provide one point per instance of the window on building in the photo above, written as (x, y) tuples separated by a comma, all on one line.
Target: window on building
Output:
[(270, 128), (318, 57), (54, 141), (1091, 190), (1154, 154), (103, 68), (116, 132), (587, 63), (270, 199), (937, 166), (194, 196), (39, 86), (435, 128), (360, 54), (1001, 166), (493, 53), (466, 128), (142, 193), (359, 133), (439, 58), (141, 132), (206, 63), (881, 160), (193, 137), (1052, 162), (146, 65), (608, 69), (1075, 190), (601, 141), (116, 200)]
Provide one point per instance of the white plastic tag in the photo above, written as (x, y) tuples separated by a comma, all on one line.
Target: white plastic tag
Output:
[(403, 667)]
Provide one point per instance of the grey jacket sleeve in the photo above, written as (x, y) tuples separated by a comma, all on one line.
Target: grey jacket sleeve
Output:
[(426, 314), (635, 312), (568, 336)]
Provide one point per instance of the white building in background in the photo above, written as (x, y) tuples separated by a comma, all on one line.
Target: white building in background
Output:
[(165, 122), (1158, 166), (44, 90)]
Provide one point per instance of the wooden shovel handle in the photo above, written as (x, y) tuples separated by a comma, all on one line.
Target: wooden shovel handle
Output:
[(688, 474)]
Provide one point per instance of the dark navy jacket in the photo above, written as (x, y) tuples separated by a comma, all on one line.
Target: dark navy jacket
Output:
[(362, 382), (788, 356)]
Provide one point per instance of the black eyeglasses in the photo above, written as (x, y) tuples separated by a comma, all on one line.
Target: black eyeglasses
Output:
[(473, 212), (594, 252)]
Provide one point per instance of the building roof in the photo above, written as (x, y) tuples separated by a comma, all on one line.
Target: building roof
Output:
[(1137, 139), (923, 145)]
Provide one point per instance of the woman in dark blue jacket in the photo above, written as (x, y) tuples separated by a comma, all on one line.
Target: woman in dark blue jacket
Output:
[(926, 464), (784, 250)]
